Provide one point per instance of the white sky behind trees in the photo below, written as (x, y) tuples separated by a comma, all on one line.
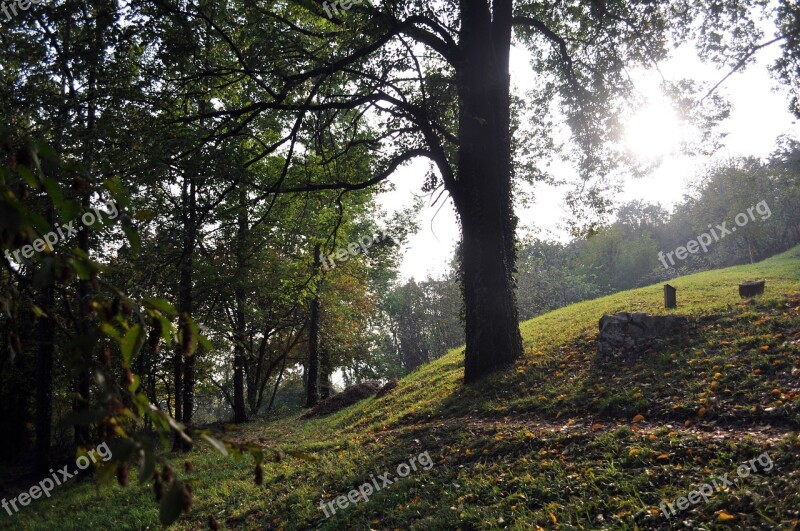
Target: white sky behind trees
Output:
[(759, 114)]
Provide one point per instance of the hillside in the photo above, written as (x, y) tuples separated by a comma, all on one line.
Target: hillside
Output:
[(554, 442)]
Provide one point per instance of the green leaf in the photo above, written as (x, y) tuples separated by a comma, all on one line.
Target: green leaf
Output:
[(205, 343), (27, 175), (45, 151), (69, 210), (133, 237), (171, 504), (123, 449), (117, 191), (148, 467), (177, 426), (131, 343), (38, 222), (137, 381), (216, 443), (162, 305), (111, 332), (167, 330), (54, 191), (83, 272)]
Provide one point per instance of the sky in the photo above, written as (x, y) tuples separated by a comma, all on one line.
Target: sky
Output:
[(759, 114)]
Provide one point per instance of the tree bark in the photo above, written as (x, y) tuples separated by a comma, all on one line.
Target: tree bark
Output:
[(184, 364), (277, 383), (44, 373), (312, 383), (325, 373), (482, 193), (239, 409), (185, 301)]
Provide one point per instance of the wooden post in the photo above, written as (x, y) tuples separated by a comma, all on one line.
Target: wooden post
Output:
[(670, 297), (751, 288)]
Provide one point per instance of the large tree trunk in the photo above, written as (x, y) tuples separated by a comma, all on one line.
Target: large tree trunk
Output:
[(184, 363), (325, 372), (277, 383), (44, 373), (312, 383), (483, 189), (239, 407), (239, 353)]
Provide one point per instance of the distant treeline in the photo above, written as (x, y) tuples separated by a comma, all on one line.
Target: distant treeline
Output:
[(625, 253)]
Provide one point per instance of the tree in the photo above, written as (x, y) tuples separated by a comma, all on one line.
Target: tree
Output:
[(435, 79)]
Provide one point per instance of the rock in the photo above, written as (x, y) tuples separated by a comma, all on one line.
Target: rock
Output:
[(348, 397), (386, 389), (629, 334)]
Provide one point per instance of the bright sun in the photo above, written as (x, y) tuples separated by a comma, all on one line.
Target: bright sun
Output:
[(653, 132)]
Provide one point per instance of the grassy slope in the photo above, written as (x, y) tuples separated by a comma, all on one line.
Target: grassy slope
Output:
[(550, 443)]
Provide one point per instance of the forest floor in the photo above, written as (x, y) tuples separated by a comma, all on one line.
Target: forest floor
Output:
[(554, 443)]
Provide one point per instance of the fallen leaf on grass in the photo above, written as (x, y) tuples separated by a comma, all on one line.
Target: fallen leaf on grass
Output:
[(724, 517)]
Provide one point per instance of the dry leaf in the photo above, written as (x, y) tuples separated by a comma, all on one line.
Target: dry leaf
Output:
[(724, 517)]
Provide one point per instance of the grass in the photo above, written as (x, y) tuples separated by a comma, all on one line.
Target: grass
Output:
[(554, 442)]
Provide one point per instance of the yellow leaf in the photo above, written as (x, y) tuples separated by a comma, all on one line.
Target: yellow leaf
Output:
[(764, 348), (553, 518), (633, 452), (724, 517), (663, 456)]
